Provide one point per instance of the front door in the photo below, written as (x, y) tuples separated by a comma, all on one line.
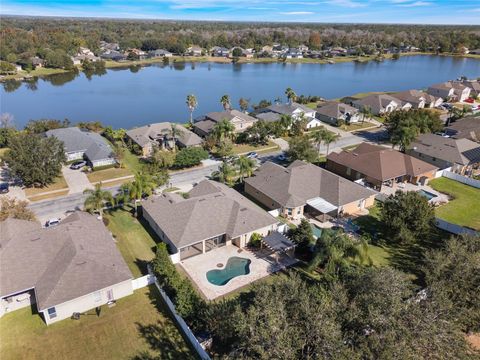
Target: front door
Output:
[(110, 295)]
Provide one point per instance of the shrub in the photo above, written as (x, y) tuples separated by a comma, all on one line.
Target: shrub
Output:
[(189, 157), (255, 240)]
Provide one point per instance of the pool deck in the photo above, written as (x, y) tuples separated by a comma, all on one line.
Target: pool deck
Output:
[(261, 265), (438, 199)]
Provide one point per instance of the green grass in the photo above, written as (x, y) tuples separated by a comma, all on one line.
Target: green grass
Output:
[(58, 184), (358, 126), (107, 174), (3, 151), (138, 323), (133, 240), (246, 148), (464, 207), (379, 255), (132, 162)]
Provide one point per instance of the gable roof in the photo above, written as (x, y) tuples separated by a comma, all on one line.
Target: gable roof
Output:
[(212, 209), (145, 134), (336, 110), (468, 128), (458, 151), (92, 144), (380, 163), (230, 115), (377, 101), (289, 109), (72, 259), (301, 181)]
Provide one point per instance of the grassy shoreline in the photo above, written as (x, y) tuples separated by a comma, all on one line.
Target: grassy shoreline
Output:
[(41, 72)]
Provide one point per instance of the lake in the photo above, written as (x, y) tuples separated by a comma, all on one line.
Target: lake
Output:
[(136, 96)]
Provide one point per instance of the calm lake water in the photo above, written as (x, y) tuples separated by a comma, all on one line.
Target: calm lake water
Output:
[(132, 97)]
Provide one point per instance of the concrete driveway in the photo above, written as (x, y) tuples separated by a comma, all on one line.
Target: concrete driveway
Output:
[(76, 180), (15, 191)]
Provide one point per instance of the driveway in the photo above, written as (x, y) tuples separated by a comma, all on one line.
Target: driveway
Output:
[(283, 144), (76, 180), (15, 190)]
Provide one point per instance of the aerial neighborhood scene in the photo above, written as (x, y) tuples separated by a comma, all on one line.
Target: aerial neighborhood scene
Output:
[(240, 179)]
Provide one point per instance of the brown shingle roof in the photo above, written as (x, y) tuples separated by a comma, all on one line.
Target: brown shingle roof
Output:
[(380, 163), (467, 128), (212, 209), (293, 186), (72, 259)]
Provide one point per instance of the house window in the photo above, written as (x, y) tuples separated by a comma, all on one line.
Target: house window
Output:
[(349, 171), (97, 296), (289, 211), (52, 313)]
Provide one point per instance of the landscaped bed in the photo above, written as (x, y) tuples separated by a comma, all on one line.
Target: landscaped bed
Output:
[(138, 323), (463, 209)]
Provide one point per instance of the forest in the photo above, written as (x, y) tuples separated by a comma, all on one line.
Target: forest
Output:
[(57, 38)]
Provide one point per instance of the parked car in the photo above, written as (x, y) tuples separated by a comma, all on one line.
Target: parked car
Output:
[(4, 188), (78, 165), (281, 157), (469, 100), (252, 155), (52, 222)]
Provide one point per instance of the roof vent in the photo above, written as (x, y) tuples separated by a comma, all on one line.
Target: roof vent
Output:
[(243, 209), (35, 239), (81, 263)]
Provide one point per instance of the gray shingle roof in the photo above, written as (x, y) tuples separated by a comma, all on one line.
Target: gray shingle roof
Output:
[(288, 109), (145, 134), (293, 186), (458, 151), (212, 209), (376, 102), (336, 110), (75, 258), (92, 144)]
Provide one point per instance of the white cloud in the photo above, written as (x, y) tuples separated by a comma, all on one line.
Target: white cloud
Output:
[(416, 4), (297, 13), (346, 3)]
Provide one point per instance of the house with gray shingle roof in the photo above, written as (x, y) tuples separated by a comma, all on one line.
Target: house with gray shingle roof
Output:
[(212, 215), (305, 188), (84, 144), (380, 104), (70, 268), (161, 135), (295, 110), (334, 112)]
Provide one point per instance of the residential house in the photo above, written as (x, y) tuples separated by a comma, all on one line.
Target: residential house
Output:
[(474, 86), (70, 268), (475, 52), (159, 53), (303, 48), (378, 166), (211, 216), (461, 155), (161, 135), (415, 97), (139, 54), (194, 51), (450, 90), (219, 51), (466, 128), (335, 113), (37, 62), (83, 144), (293, 53), (240, 120), (113, 55), (338, 51), (104, 46), (296, 111), (380, 104), (304, 188)]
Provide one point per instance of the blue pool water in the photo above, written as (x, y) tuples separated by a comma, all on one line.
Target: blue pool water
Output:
[(236, 266), (427, 194), (317, 232)]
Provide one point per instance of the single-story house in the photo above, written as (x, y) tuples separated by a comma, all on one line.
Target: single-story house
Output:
[(334, 112), (37, 62), (305, 188), (461, 155), (474, 86), (84, 144), (211, 216), (194, 51), (113, 55), (418, 99), (70, 268), (159, 53), (219, 51), (204, 125), (160, 134), (378, 166), (450, 90), (380, 104), (296, 111), (466, 128)]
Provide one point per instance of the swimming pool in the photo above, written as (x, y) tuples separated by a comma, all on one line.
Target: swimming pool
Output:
[(427, 194), (235, 266), (317, 232)]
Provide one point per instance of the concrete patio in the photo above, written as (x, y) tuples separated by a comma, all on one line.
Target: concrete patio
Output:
[(439, 199), (262, 264)]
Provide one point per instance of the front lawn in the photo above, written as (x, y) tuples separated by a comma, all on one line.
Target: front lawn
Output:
[(107, 174), (58, 184), (463, 209), (132, 162), (134, 242), (358, 126), (138, 323), (242, 149)]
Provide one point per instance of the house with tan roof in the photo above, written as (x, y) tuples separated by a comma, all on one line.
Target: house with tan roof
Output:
[(378, 166), (450, 90), (466, 128), (462, 156), (212, 215), (204, 125), (70, 268), (418, 99), (162, 135), (304, 188), (380, 104)]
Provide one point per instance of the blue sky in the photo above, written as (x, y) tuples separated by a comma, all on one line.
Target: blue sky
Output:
[(343, 11)]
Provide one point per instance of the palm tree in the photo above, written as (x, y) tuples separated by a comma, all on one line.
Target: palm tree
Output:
[(329, 137), (97, 199), (174, 132), (291, 96), (245, 167), (317, 137), (286, 122), (192, 104), (225, 101), (223, 130), (142, 185), (366, 112), (243, 103), (225, 173)]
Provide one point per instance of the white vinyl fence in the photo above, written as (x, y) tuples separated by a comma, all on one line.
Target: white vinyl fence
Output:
[(439, 173), (143, 281), (454, 228), (463, 179)]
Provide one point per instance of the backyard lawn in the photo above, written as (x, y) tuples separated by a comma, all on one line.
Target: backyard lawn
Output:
[(137, 324), (134, 242), (464, 208), (107, 174)]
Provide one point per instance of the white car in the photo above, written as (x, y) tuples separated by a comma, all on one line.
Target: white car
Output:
[(52, 222)]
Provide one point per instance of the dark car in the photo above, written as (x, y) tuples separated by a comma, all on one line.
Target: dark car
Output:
[(78, 165), (4, 188)]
